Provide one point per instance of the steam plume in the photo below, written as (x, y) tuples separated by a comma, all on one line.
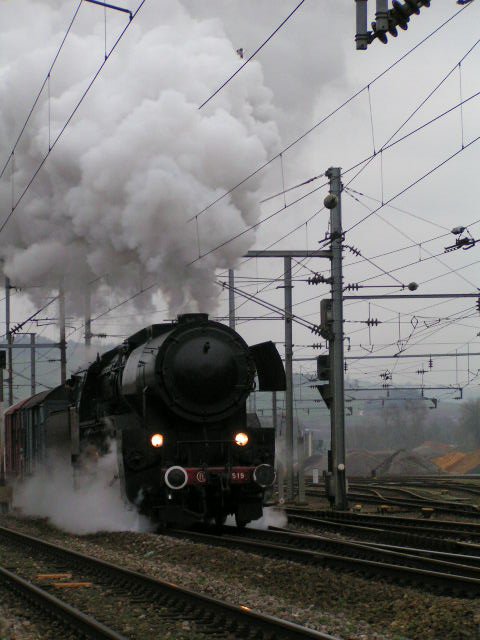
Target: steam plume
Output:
[(96, 505), (138, 159)]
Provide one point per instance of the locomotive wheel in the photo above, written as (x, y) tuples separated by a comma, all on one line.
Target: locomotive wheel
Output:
[(241, 524), (220, 520)]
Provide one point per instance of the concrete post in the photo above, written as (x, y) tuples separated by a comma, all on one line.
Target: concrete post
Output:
[(88, 317), (289, 436), (63, 343), (9, 341), (33, 381), (231, 299)]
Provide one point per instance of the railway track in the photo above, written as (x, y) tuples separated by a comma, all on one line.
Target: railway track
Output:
[(450, 483), (448, 529), (444, 572), (403, 491), (153, 604), (405, 537), (69, 618), (370, 495), (472, 477)]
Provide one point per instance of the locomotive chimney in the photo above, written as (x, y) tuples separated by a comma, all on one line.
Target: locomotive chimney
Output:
[(183, 318)]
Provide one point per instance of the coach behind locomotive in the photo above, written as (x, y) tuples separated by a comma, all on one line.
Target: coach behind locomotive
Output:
[(173, 396)]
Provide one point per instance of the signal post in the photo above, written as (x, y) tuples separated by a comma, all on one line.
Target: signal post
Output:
[(290, 436), (331, 328), (336, 481)]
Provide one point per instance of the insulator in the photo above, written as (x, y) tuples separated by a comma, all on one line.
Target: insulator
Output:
[(452, 247), (392, 31), (317, 278), (430, 364), (373, 322), (413, 6), (354, 250), (316, 329), (401, 14), (380, 34)]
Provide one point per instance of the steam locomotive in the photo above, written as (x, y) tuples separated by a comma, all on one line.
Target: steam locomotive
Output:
[(173, 397)]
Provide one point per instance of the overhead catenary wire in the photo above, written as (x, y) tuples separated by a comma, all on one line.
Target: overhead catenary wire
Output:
[(69, 119), (356, 262), (364, 162), (329, 115), (399, 209), (415, 182), (45, 82), (388, 143), (257, 50), (383, 204), (405, 235), (380, 255)]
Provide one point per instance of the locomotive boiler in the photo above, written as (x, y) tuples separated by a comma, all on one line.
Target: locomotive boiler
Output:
[(173, 397)]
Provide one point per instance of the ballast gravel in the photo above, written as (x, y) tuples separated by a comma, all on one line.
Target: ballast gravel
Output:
[(341, 604)]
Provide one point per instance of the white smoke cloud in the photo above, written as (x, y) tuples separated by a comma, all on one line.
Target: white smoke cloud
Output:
[(138, 159), (271, 517), (96, 505)]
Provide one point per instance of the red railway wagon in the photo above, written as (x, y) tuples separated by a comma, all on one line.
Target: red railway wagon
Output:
[(26, 427), (14, 439)]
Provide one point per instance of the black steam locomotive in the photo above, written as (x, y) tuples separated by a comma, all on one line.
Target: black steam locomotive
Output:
[(173, 396)]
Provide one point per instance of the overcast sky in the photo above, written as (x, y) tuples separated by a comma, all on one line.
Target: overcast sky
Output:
[(307, 70)]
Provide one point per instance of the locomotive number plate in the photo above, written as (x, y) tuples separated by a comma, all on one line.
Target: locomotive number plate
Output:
[(237, 475)]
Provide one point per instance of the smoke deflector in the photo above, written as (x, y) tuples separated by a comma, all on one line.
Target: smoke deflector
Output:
[(270, 370)]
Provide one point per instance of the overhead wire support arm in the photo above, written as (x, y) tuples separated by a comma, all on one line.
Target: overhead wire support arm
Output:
[(452, 388), (396, 356), (400, 296), (112, 6)]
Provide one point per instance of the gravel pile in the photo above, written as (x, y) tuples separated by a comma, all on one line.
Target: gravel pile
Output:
[(346, 605), (360, 463)]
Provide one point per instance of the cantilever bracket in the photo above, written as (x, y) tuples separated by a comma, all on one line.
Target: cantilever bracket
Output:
[(111, 6)]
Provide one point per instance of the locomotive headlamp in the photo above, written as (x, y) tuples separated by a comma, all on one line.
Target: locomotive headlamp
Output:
[(156, 440), (241, 439)]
